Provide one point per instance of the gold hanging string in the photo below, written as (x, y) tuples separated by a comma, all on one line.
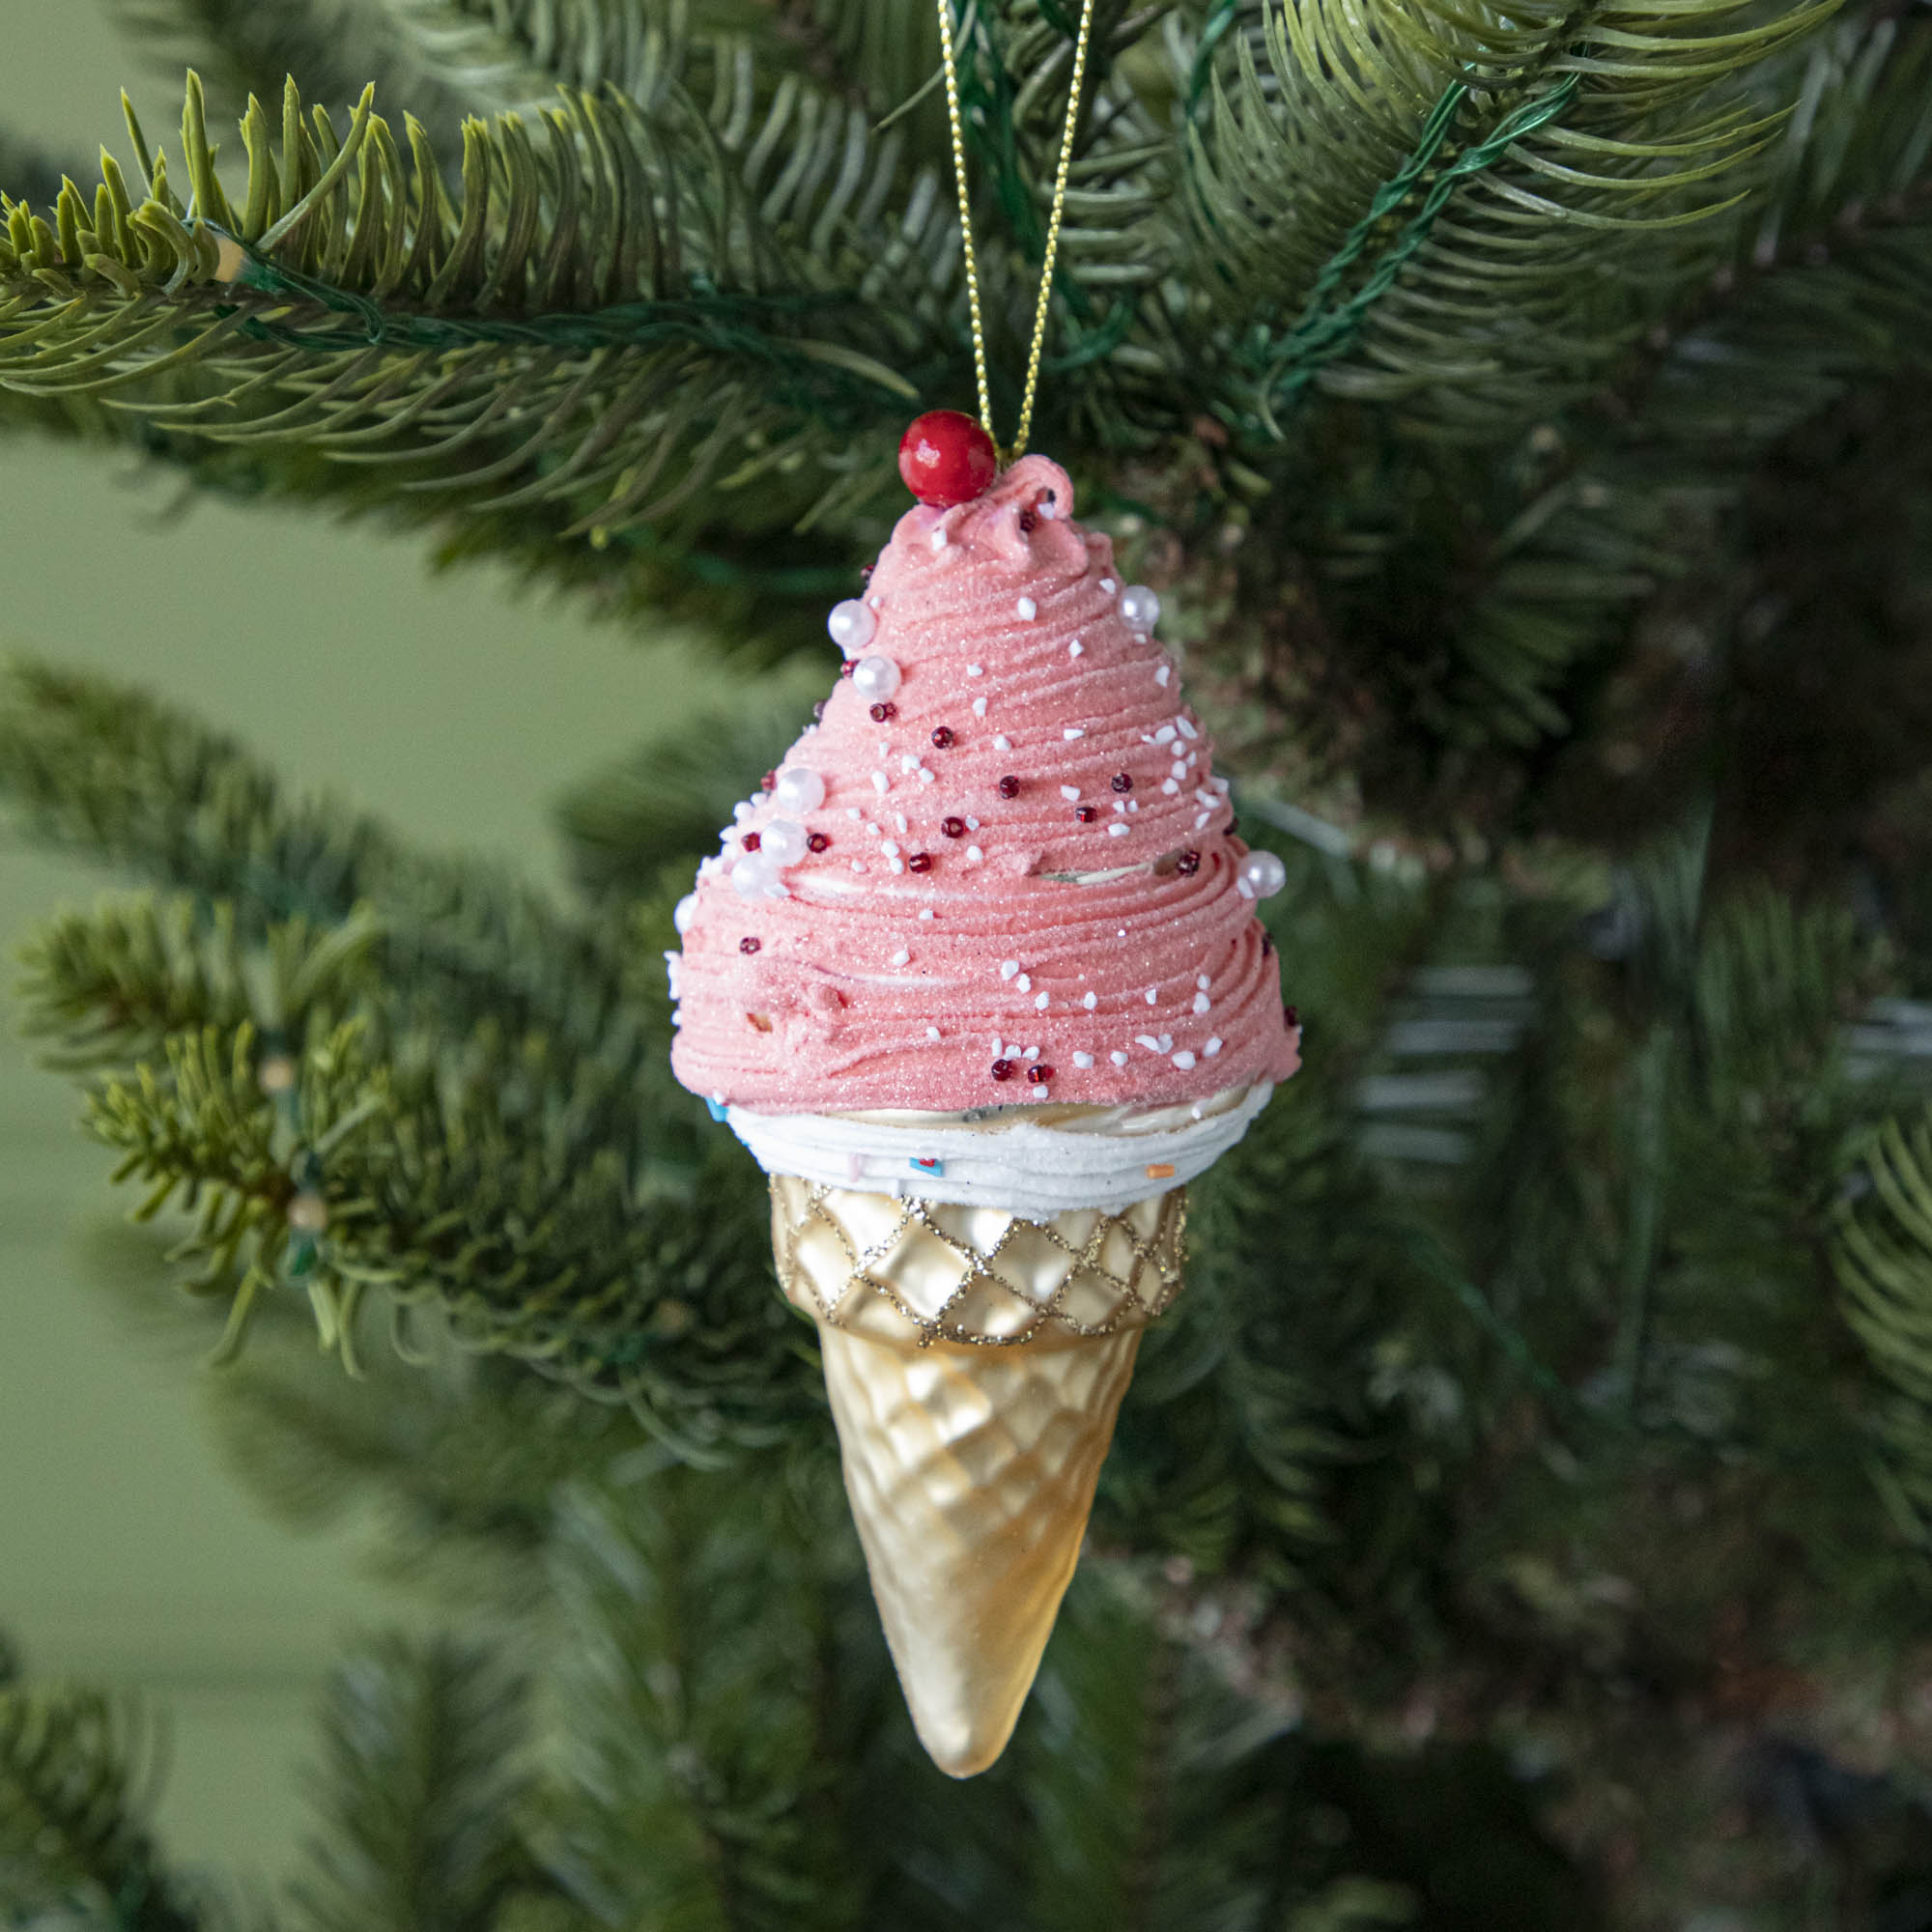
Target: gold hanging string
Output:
[(1038, 349)]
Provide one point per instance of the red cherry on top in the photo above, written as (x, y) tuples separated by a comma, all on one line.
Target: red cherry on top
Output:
[(947, 457)]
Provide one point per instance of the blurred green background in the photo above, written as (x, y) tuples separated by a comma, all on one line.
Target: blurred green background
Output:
[(451, 706)]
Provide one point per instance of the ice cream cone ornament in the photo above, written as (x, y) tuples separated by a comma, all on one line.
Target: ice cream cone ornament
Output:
[(978, 979)]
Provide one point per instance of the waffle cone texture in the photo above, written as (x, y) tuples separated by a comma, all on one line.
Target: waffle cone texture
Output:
[(974, 1361)]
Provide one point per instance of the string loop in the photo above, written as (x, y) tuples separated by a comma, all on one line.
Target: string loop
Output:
[(1008, 453)]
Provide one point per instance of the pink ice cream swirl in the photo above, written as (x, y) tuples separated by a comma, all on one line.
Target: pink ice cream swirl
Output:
[(950, 941)]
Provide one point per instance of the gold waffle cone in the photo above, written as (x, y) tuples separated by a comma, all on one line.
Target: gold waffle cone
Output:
[(974, 1361)]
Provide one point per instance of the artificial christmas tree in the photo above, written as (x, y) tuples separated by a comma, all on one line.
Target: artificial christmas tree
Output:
[(1522, 1518)]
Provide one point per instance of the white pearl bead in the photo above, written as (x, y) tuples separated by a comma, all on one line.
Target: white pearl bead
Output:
[(686, 911), (783, 842), (876, 678), (752, 876), (852, 626), (1141, 608), (1265, 874), (799, 788)]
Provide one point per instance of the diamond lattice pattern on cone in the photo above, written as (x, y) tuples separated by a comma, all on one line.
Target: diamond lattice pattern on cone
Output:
[(974, 1361)]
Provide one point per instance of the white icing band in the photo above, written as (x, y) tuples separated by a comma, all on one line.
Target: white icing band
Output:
[(1106, 1161)]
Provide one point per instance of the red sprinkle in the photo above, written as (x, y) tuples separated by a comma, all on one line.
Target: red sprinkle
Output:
[(1009, 786), (942, 735), (846, 670), (953, 828), (769, 780), (1039, 1076), (1188, 862), (919, 862), (1122, 783), (881, 712), (1268, 946), (1085, 813), (1003, 1069), (748, 944), (816, 841), (1029, 521), (1290, 1018), (752, 841), (818, 709)]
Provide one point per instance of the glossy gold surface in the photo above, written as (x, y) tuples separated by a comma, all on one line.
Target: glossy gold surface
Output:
[(933, 1270), (976, 1361), (971, 1473)]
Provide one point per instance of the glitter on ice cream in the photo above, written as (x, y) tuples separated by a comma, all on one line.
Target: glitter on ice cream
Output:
[(988, 937)]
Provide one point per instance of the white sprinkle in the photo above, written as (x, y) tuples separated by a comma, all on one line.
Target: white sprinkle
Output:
[(909, 761), (891, 848), (1153, 995), (1164, 736), (1221, 785), (939, 539), (926, 912), (1089, 1001), (1047, 509), (1107, 584), (925, 778), (1070, 793), (1202, 1003), (1002, 743), (1187, 730), (1169, 786), (1074, 731), (1032, 1053), (902, 957), (1147, 1040), (1194, 1112), (1183, 1060), (1120, 804), (1207, 798), (1024, 983), (1027, 609), (1202, 981), (1118, 830), (1162, 675), (1178, 769), (1117, 1058), (1146, 737), (742, 811), (898, 819), (976, 670), (1000, 1048), (877, 602), (1166, 1042), (974, 855), (858, 865), (971, 823), (885, 748), (1039, 1000), (1082, 1059), (898, 865), (1201, 818), (1122, 934), (880, 781), (932, 1033), (1007, 968), (1246, 891), (978, 707), (1077, 649), (1213, 1045)]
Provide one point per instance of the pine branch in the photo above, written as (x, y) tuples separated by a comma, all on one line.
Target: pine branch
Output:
[(70, 1773), (1547, 263), (633, 827), (1882, 1255), (421, 1786), (543, 343), (686, 1690)]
